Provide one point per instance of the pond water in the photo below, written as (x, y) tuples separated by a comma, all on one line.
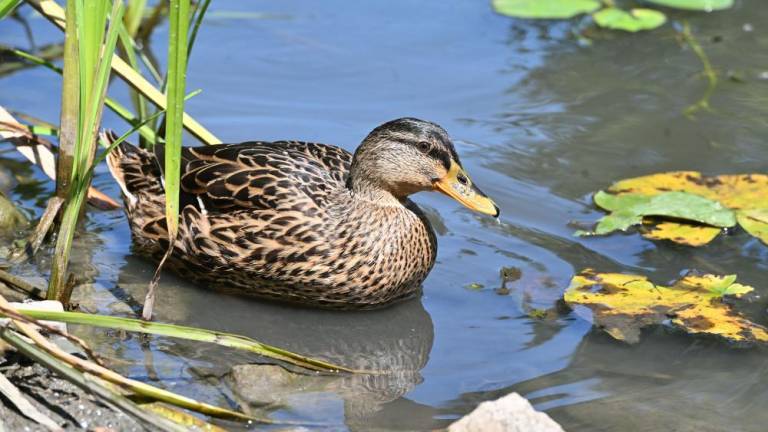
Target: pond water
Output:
[(540, 121)]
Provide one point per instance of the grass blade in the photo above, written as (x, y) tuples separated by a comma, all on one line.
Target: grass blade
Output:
[(177, 74), (137, 387), (7, 6), (54, 13), (146, 132), (188, 333), (134, 15), (106, 395), (200, 11), (90, 55)]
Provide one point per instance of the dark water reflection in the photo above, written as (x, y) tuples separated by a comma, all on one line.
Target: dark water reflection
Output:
[(540, 122)]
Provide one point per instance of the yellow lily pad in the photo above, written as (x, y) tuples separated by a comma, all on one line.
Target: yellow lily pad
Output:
[(755, 222), (689, 235), (745, 194), (623, 304)]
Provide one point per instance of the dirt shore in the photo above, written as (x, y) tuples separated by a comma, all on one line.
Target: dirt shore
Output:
[(64, 403)]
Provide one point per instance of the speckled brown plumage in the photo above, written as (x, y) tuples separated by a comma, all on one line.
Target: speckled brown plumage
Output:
[(295, 221)]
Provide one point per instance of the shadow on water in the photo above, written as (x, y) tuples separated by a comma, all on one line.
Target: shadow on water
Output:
[(393, 342)]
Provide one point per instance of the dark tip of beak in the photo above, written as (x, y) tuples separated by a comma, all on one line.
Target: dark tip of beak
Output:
[(497, 211)]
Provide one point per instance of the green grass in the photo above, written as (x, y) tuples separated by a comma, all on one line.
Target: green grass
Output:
[(188, 333), (7, 6), (88, 49), (176, 79)]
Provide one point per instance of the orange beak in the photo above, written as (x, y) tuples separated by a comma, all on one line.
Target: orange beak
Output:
[(457, 185)]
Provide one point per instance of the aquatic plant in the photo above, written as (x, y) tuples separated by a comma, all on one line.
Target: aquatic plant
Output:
[(88, 49), (623, 304), (88, 60), (686, 207), (606, 13)]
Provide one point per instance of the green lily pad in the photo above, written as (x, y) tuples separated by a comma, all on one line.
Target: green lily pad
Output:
[(745, 194), (630, 209), (755, 222), (631, 21), (545, 9), (722, 286), (699, 5)]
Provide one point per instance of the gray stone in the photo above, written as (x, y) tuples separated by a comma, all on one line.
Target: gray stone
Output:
[(512, 413), (262, 384)]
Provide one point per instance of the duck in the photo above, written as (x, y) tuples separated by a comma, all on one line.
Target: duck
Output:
[(300, 222)]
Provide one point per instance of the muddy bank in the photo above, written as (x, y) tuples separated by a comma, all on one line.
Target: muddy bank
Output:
[(67, 405)]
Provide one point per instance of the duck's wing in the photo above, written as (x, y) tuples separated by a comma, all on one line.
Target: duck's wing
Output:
[(279, 175)]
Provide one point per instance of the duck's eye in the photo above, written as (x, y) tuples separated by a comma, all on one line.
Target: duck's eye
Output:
[(423, 146)]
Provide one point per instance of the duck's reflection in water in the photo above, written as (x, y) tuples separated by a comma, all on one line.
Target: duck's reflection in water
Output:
[(395, 342)]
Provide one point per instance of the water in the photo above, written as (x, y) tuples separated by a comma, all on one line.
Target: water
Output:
[(540, 122)]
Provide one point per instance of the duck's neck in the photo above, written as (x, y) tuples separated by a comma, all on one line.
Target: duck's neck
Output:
[(367, 189)]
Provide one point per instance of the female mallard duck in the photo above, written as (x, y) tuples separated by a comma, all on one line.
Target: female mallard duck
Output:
[(302, 222)]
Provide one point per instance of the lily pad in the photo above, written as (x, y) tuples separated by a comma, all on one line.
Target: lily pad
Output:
[(746, 195), (630, 209), (689, 235), (699, 5), (623, 304), (633, 20), (545, 9)]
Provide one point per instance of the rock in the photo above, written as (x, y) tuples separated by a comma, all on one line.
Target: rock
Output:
[(10, 216), (512, 413), (262, 384), (43, 305)]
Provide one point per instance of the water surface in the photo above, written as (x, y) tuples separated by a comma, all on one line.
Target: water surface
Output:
[(540, 121)]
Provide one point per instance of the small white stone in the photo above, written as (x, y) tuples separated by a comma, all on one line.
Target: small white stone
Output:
[(44, 305), (512, 413)]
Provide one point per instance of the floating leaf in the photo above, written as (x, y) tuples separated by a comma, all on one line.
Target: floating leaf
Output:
[(699, 5), (475, 286), (755, 222), (689, 235), (545, 9), (632, 21), (745, 194), (629, 209), (623, 304)]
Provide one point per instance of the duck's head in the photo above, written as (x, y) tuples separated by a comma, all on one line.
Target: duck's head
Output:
[(407, 155)]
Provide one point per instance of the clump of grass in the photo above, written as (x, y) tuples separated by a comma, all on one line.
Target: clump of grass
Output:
[(88, 49)]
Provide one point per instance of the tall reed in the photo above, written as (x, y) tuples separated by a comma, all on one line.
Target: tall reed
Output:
[(7, 6), (176, 79), (88, 50)]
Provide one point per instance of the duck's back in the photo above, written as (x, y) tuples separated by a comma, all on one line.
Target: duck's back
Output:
[(274, 219)]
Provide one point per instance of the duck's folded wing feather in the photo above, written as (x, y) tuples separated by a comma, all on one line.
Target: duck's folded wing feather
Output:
[(262, 175)]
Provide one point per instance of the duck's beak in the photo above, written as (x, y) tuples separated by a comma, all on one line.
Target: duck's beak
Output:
[(457, 185)]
